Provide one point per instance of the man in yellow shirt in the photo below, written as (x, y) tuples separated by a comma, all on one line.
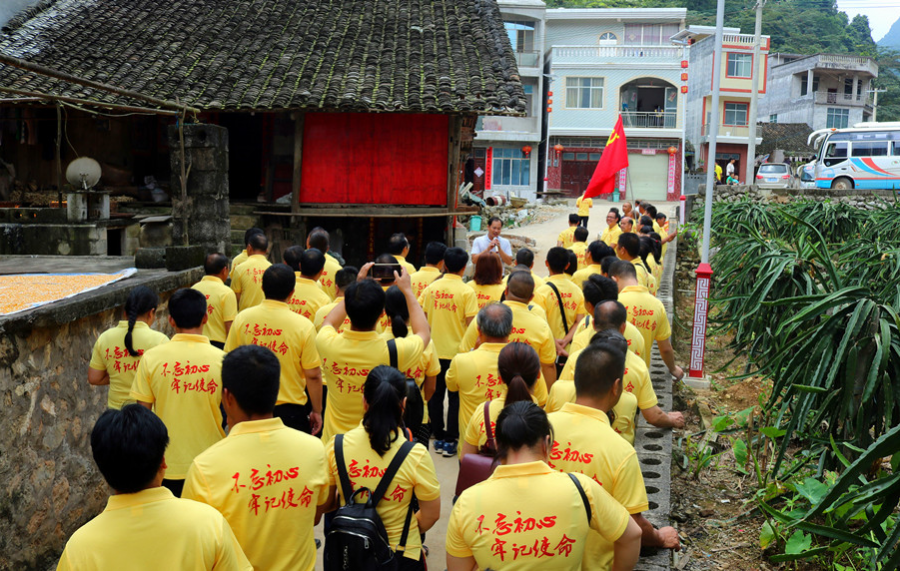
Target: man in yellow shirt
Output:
[(348, 357), (292, 338), (320, 240), (584, 442), (221, 302), (525, 263), (580, 246), (344, 277), (627, 226), (598, 289), (610, 236), (567, 236), (596, 251), (584, 208), (647, 313), (629, 250), (651, 211), (450, 306), (144, 526), (434, 265), (398, 246), (181, 382), (563, 301), (247, 278), (308, 266), (242, 257), (265, 478)]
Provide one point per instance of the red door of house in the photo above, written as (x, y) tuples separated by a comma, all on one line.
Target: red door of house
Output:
[(576, 175)]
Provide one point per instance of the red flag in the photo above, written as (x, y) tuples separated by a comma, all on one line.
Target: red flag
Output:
[(613, 159)]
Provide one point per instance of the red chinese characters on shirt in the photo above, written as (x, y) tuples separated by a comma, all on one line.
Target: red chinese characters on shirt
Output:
[(569, 454), (184, 378), (263, 502), (492, 385), (643, 318), (122, 360), (506, 528)]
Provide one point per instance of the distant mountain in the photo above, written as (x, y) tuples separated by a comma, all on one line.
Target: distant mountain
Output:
[(892, 38)]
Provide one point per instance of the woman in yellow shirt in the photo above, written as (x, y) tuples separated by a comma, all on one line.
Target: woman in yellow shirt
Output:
[(488, 280)]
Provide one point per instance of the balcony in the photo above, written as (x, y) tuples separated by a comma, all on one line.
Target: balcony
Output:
[(649, 120), (591, 54), (727, 131), (528, 59), (842, 99)]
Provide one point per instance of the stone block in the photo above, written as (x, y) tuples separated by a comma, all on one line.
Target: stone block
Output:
[(150, 258), (184, 257)]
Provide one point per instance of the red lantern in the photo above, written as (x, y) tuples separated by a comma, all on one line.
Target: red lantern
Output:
[(684, 77), (559, 149), (673, 150), (549, 109), (549, 102), (526, 150), (684, 64), (684, 88), (549, 94)]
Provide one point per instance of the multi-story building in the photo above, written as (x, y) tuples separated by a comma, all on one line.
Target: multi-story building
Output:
[(822, 90), (602, 63), (736, 71)]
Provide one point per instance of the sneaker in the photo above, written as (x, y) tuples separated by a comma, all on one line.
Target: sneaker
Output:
[(439, 445), (449, 449)]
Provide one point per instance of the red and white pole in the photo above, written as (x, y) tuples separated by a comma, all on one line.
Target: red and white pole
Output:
[(701, 311)]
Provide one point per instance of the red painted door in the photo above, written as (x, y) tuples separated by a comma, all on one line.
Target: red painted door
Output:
[(576, 175)]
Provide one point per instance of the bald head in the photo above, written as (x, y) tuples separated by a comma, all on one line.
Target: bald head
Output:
[(520, 287), (609, 315), (495, 322)]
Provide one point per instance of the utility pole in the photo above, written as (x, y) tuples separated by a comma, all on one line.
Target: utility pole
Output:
[(875, 103), (754, 95)]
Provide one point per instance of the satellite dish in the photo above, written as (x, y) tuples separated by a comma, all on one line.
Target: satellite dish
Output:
[(83, 173)]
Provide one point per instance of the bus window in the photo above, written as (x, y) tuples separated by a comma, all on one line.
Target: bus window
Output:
[(835, 153), (896, 148), (870, 149)]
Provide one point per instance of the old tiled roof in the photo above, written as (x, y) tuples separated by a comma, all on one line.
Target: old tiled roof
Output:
[(788, 137), (441, 56)]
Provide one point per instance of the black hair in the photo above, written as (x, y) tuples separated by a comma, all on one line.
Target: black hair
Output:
[(250, 232), (311, 262), (574, 219), (455, 260), (521, 425), (214, 264), (609, 314), (434, 253), (128, 446), (364, 301), (660, 216), (292, 257), (599, 250), (278, 282), (657, 246), (521, 284), (493, 219), (573, 262), (598, 289), (140, 300), (597, 368), (395, 307), (396, 267), (525, 257), (650, 247), (345, 276), (615, 211), (187, 307), (384, 391), (519, 367), (557, 259), (397, 244), (606, 262), (631, 243), (581, 234), (259, 242), (611, 337), (645, 229), (646, 248), (319, 239), (651, 210), (646, 221), (622, 269), (252, 374)]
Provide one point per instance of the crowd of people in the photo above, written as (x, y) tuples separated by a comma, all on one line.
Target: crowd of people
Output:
[(306, 390)]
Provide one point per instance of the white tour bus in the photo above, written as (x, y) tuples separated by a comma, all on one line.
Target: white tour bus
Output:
[(865, 156)]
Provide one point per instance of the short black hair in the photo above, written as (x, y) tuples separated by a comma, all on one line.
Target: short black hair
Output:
[(128, 446), (645, 229), (622, 269), (311, 262), (606, 262), (646, 221), (434, 253), (187, 307), (573, 263), (455, 260), (521, 284), (252, 374), (525, 257), (581, 234), (215, 263), (292, 257), (651, 210), (631, 243), (558, 259), (319, 239), (364, 301), (660, 216), (259, 242), (278, 282), (598, 289), (599, 250), (615, 211), (597, 368), (396, 267), (609, 315), (574, 219), (345, 276), (493, 219), (397, 244), (250, 232)]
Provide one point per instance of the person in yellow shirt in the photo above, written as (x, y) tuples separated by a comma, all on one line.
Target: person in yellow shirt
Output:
[(567, 236), (651, 253), (598, 289), (488, 280), (320, 240), (181, 382), (118, 351), (646, 313), (629, 249), (718, 173), (308, 266), (574, 260), (627, 225), (451, 306), (344, 277), (579, 247), (595, 253), (262, 463), (246, 280), (652, 212), (566, 508), (434, 265), (292, 338), (359, 459), (348, 357), (144, 526), (627, 210), (610, 236), (242, 257), (584, 208), (398, 246), (221, 302), (665, 235), (525, 263), (583, 442), (563, 302)]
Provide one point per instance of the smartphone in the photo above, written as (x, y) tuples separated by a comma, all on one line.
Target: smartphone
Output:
[(383, 271)]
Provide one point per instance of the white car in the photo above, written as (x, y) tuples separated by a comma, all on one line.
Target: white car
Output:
[(774, 175)]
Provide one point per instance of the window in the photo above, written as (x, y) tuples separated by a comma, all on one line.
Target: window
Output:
[(511, 168), (895, 147), (837, 118), (870, 149), (736, 114), (608, 38), (584, 92), (773, 118), (529, 99), (740, 65), (804, 85), (521, 35), (835, 153), (649, 34)]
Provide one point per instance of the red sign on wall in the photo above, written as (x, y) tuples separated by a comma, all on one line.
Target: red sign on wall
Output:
[(488, 167)]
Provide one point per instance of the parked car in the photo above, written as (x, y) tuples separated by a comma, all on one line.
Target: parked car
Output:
[(807, 174), (774, 175)]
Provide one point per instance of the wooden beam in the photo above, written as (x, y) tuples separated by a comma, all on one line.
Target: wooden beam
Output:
[(372, 213), (31, 96), (298, 164), (455, 128)]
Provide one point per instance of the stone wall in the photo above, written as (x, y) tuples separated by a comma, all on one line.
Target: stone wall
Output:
[(51, 483)]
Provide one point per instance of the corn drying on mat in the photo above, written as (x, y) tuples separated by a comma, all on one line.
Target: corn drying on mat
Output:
[(22, 292)]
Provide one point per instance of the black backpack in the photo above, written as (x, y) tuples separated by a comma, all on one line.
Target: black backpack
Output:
[(357, 540)]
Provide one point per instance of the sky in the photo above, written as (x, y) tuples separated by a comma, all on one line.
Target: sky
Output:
[(882, 13)]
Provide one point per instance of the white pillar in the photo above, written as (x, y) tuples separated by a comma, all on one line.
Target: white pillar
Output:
[(810, 77), (855, 88)]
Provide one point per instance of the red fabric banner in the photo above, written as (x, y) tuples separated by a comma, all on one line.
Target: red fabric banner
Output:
[(613, 159)]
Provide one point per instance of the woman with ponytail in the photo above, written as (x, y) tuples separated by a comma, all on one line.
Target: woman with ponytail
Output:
[(117, 351), (368, 451), (527, 503), (648, 261)]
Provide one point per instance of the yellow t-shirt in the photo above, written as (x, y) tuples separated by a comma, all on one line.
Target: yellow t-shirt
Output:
[(567, 236), (647, 314), (584, 443), (347, 359), (428, 366), (448, 302), (110, 355), (266, 479), (290, 336), (584, 205), (486, 294), (365, 468), (582, 276), (586, 332), (664, 234), (325, 310), (410, 269), (183, 381), (610, 236), (625, 410), (221, 306), (579, 248), (326, 280), (538, 280), (636, 380), (237, 261), (655, 271), (153, 530), (643, 276), (531, 517), (308, 297), (247, 281), (573, 302), (529, 326), (474, 432), (423, 278)]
